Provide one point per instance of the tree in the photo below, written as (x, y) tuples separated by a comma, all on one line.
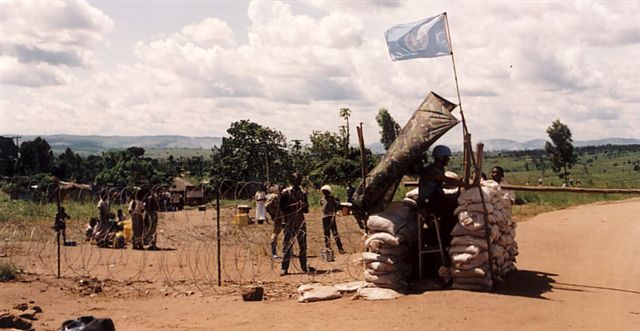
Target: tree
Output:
[(389, 128), (346, 113), (71, 163), (560, 149), (8, 157), (251, 152), (36, 157)]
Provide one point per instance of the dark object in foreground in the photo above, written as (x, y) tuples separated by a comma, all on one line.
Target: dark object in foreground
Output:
[(253, 294), (88, 323)]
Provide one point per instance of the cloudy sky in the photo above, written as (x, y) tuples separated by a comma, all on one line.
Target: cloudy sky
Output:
[(193, 67)]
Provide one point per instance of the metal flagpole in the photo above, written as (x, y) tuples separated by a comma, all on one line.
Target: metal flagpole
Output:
[(455, 74)]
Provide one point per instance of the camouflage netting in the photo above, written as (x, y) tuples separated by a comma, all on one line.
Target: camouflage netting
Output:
[(430, 121)]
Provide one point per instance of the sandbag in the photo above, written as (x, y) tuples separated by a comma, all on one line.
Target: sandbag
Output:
[(376, 293), (379, 223), (474, 262), (384, 237), (470, 249), (391, 280), (459, 230), (350, 286), (413, 194), (475, 272), (380, 267), (476, 207), (375, 257), (316, 292), (471, 221), (470, 240), (472, 195), (478, 281)]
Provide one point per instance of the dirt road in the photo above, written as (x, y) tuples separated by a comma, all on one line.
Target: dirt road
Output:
[(578, 269)]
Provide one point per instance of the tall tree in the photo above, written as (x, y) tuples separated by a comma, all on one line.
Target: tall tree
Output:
[(36, 156), (251, 152), (389, 128), (8, 157), (560, 149), (346, 113)]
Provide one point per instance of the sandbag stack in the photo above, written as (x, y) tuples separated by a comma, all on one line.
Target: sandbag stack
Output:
[(504, 248), (469, 250), (390, 239)]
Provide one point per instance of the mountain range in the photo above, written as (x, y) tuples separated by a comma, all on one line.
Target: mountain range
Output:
[(97, 144)]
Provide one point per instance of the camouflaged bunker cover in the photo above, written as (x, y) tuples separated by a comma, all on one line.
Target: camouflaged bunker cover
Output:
[(430, 121)]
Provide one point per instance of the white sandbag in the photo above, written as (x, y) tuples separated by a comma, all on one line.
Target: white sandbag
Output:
[(350, 286), (374, 245), (380, 267), (392, 279), (380, 223), (462, 258), (471, 221), (459, 230), (384, 237), (376, 293), (470, 240), (470, 249), (475, 272), (474, 262), (475, 207), (375, 257), (316, 292), (413, 194)]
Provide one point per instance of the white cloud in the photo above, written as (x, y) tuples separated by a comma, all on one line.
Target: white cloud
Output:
[(46, 38), (520, 67)]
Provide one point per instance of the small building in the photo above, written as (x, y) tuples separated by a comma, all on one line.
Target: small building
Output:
[(184, 192)]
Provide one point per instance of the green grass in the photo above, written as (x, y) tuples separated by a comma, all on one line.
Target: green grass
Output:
[(18, 210)]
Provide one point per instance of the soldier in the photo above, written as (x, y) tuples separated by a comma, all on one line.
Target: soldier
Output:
[(294, 204), (330, 205), (431, 191)]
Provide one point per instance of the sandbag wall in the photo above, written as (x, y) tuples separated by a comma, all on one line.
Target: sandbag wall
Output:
[(390, 239), (469, 251)]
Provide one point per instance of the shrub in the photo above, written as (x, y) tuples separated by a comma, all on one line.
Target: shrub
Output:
[(8, 271)]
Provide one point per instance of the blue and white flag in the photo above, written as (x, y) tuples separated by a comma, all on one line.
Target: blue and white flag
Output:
[(424, 38)]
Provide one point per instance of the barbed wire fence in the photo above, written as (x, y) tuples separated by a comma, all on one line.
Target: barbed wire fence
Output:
[(186, 259)]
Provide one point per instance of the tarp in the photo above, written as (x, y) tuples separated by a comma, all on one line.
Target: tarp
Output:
[(430, 121)]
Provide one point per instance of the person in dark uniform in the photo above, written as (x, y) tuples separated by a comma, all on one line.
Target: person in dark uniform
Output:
[(431, 195), (294, 204)]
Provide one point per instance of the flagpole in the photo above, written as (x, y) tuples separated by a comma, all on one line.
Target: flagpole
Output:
[(455, 75)]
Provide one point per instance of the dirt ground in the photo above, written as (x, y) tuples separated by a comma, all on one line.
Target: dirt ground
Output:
[(578, 269)]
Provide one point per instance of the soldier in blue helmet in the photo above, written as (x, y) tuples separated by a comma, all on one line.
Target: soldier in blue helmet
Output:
[(431, 196)]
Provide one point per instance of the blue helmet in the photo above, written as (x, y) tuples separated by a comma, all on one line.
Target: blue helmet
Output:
[(441, 151)]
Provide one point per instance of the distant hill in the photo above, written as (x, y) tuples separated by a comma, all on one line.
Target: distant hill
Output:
[(188, 146), (98, 144), (512, 145)]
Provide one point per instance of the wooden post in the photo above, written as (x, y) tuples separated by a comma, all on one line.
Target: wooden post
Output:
[(478, 168), (58, 213), (363, 163), (466, 151), (218, 236)]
